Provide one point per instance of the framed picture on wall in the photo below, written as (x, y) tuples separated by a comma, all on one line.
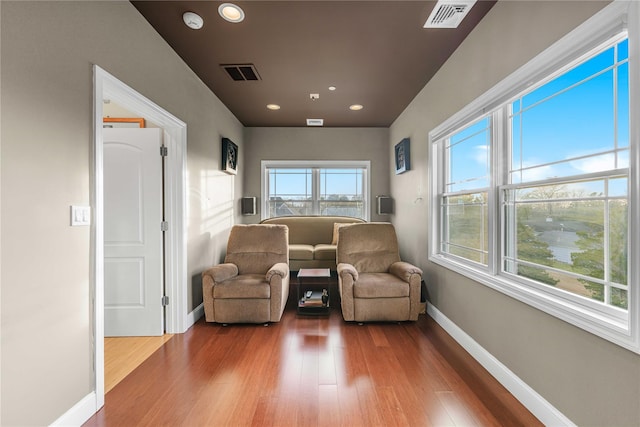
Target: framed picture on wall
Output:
[(402, 155), (229, 156)]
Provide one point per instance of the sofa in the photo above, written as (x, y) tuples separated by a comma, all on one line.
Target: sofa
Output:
[(312, 239)]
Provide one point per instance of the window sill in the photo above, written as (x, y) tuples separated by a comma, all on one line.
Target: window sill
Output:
[(614, 328)]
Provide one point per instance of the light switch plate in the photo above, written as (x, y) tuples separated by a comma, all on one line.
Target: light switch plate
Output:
[(80, 215)]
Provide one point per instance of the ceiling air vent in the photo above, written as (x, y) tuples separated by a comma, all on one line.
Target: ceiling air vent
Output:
[(449, 13), (315, 122), (241, 72)]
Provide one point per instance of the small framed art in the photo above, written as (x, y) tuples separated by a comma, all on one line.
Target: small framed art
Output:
[(403, 157), (229, 156)]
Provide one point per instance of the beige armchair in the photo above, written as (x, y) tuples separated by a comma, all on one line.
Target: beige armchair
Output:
[(252, 286), (374, 284)]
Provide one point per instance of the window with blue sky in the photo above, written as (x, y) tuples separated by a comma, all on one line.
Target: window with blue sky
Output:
[(533, 195), (315, 188)]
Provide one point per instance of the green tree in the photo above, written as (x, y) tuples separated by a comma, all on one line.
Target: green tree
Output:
[(531, 249), (590, 260)]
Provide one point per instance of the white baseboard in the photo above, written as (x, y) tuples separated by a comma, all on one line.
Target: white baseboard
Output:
[(87, 407), (195, 315), (538, 405), (79, 413)]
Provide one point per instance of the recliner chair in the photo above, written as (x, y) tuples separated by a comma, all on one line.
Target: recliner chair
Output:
[(374, 284), (252, 285)]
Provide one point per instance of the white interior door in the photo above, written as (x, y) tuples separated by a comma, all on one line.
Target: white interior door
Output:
[(133, 262)]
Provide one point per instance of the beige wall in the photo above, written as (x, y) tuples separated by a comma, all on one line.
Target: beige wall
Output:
[(590, 380), (48, 49), (317, 144)]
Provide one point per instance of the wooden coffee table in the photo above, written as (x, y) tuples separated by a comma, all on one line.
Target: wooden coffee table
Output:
[(313, 291)]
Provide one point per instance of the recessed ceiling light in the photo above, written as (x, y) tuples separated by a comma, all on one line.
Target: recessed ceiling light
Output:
[(332, 88), (192, 20), (356, 107), (273, 106), (231, 12)]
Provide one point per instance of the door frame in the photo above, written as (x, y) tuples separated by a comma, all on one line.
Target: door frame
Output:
[(107, 86)]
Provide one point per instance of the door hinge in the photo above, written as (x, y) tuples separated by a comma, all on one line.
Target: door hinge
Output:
[(164, 151), (165, 301), (164, 226)]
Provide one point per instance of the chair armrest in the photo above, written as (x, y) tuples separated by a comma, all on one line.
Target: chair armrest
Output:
[(412, 275), (280, 269), (347, 277), (278, 278), (404, 270), (344, 268), (221, 272)]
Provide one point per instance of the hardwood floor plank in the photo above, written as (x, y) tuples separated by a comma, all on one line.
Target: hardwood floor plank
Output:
[(124, 354), (311, 371)]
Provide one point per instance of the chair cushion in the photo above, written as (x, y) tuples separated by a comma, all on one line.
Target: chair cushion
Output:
[(380, 285), (300, 251), (323, 251), (336, 229), (244, 286), (370, 247), (255, 248)]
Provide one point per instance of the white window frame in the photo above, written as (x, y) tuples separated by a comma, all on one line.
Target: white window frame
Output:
[(265, 165), (618, 326)]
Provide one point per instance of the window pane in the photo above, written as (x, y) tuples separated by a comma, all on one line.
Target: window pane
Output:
[(575, 123), (341, 192), (290, 183), (619, 298), (281, 207), (623, 105), (468, 155), (290, 192), (341, 184), (618, 241), (342, 208), (581, 72), (317, 191), (623, 50), (567, 227), (466, 227)]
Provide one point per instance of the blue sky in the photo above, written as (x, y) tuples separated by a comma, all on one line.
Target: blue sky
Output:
[(571, 116), (299, 182)]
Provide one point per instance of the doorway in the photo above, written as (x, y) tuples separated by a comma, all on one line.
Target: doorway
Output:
[(133, 232), (174, 135)]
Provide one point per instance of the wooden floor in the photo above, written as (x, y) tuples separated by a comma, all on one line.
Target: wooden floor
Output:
[(124, 354), (311, 371)]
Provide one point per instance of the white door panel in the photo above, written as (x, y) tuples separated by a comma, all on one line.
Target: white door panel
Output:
[(132, 236)]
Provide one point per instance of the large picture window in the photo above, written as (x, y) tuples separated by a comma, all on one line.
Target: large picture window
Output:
[(315, 188), (566, 203), (533, 193)]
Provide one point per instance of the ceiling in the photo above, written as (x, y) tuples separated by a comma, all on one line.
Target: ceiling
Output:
[(375, 53)]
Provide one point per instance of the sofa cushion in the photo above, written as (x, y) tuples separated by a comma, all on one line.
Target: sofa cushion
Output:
[(311, 229), (380, 285), (300, 251), (246, 286), (323, 251)]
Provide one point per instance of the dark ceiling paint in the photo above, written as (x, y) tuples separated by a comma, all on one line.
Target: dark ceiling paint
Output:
[(375, 52)]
